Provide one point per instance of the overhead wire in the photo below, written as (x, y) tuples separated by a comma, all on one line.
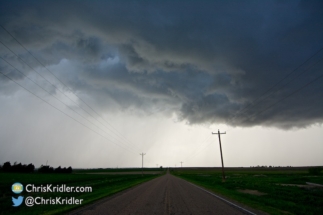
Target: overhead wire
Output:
[(289, 95), (243, 110), (115, 132), (61, 111), (289, 81), (54, 96), (56, 88), (262, 97), (280, 100), (199, 148)]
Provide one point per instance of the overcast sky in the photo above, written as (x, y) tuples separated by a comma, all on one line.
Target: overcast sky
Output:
[(95, 83)]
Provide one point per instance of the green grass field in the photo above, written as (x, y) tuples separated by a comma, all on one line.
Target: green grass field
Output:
[(102, 185), (269, 190)]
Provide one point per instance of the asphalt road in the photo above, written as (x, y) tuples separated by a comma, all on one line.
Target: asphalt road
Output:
[(164, 195)]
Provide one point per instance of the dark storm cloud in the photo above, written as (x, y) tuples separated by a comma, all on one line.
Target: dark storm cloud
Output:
[(207, 59)]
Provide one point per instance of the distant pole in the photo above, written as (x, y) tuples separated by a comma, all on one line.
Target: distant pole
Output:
[(223, 176), (181, 164), (142, 163)]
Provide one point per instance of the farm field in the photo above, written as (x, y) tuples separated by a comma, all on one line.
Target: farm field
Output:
[(120, 171), (102, 185), (272, 190)]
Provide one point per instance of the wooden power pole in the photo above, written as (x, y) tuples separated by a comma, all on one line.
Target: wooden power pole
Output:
[(223, 176), (142, 163)]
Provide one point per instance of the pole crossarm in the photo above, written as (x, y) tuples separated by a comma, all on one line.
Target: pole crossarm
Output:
[(219, 133)]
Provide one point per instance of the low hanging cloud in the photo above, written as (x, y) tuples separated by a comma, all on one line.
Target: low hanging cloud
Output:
[(209, 62)]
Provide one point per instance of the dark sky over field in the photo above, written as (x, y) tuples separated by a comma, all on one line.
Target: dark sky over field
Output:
[(161, 75)]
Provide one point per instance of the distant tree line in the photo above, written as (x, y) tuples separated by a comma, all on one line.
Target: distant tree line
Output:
[(316, 170), (7, 167), (49, 169), (24, 168), (269, 166)]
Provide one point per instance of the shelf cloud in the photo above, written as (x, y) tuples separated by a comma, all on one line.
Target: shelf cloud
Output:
[(240, 63)]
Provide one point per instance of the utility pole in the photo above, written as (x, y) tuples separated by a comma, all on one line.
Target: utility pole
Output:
[(181, 164), (142, 163), (223, 176)]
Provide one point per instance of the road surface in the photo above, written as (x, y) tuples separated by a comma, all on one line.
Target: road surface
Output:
[(165, 195)]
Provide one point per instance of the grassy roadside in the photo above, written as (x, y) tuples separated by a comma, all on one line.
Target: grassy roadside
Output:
[(271, 191), (102, 186)]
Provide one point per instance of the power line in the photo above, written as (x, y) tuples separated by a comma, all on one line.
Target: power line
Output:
[(115, 132), (199, 149), (285, 77), (289, 95), (61, 111), (55, 97), (62, 93), (287, 83)]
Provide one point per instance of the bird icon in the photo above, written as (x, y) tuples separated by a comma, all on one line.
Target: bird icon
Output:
[(17, 201)]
